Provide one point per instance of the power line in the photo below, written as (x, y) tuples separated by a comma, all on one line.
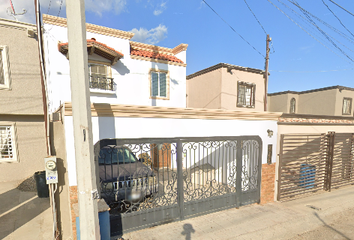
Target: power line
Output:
[(337, 18), (342, 7), (306, 13), (303, 28), (233, 29), (290, 71), (256, 17)]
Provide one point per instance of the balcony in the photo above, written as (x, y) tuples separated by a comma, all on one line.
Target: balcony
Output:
[(102, 82)]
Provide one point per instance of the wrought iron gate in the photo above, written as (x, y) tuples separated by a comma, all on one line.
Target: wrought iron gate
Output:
[(148, 182), (312, 162)]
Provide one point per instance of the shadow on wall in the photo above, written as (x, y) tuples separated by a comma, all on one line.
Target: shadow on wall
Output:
[(17, 208)]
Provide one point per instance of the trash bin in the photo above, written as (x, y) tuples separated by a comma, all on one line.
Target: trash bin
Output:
[(307, 176), (41, 184), (103, 218)]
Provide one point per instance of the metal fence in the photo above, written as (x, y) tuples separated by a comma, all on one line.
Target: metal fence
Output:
[(148, 182), (312, 162)]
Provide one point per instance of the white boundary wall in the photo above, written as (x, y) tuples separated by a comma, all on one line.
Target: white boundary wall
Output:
[(129, 127)]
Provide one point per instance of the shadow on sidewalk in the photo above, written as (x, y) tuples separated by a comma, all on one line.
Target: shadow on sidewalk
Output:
[(333, 229), (14, 214), (187, 231)]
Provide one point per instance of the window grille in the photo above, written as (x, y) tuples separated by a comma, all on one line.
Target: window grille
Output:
[(246, 94), (100, 77), (347, 106), (6, 143)]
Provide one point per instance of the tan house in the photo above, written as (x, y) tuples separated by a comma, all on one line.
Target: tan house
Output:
[(226, 86), (22, 128), (330, 101)]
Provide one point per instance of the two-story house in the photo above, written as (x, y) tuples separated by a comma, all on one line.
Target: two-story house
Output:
[(226, 86), (22, 126), (330, 101), (121, 71)]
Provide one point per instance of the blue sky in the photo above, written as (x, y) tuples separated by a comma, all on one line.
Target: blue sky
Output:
[(298, 61)]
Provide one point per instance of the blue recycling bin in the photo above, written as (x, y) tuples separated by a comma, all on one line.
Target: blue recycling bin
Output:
[(307, 176)]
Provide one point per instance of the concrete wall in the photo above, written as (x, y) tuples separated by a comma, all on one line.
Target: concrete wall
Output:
[(318, 103), (281, 103), (339, 101), (24, 96), (31, 148), (22, 103), (130, 75), (204, 91), (229, 89), (62, 195)]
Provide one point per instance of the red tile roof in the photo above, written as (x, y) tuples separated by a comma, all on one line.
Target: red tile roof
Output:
[(99, 48), (155, 55)]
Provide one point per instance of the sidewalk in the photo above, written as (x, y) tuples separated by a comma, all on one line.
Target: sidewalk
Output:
[(23, 215), (287, 220)]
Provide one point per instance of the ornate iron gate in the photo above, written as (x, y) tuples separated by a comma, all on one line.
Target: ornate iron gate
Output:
[(148, 182)]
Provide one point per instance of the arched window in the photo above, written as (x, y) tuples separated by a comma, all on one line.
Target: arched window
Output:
[(292, 105)]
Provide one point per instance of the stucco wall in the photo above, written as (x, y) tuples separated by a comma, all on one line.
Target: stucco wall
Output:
[(204, 91), (339, 101), (24, 96), (229, 89), (318, 103), (31, 148), (130, 75), (62, 196), (281, 103)]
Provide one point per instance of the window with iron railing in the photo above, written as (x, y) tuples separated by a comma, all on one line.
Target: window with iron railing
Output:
[(347, 106), (7, 143), (246, 94), (100, 77)]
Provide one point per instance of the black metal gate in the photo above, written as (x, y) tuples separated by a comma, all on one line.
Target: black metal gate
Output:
[(148, 182)]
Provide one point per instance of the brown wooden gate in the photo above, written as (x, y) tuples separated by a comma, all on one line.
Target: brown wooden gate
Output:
[(314, 162)]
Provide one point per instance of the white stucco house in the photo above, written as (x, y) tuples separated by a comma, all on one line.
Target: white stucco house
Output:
[(121, 71)]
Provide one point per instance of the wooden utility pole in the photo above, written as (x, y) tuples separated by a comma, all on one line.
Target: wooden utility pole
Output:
[(80, 97), (266, 72)]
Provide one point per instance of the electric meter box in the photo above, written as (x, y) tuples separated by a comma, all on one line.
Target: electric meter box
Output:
[(51, 173)]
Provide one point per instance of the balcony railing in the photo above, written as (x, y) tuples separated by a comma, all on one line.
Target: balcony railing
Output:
[(102, 82)]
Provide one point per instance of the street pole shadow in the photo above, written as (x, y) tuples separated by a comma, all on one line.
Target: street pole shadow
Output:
[(188, 230), (333, 229)]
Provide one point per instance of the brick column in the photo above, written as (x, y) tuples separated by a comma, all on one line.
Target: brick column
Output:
[(267, 184)]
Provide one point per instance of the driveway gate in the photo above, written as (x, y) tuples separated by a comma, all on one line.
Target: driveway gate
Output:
[(148, 182), (312, 162)]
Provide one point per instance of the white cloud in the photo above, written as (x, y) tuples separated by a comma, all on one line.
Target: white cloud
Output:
[(160, 8), (151, 36)]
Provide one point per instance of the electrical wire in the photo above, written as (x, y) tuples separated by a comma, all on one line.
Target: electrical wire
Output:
[(320, 71), (337, 18), (342, 7), (305, 30), (233, 29), (306, 13)]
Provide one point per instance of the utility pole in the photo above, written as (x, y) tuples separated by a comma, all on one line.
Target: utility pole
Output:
[(266, 72), (80, 97)]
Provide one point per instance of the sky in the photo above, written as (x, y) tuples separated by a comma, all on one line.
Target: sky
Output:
[(312, 40)]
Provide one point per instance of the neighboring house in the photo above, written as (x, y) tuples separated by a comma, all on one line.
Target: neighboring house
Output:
[(226, 86), (330, 101), (121, 71), (22, 127)]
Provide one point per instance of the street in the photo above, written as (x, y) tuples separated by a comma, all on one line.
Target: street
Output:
[(327, 215)]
